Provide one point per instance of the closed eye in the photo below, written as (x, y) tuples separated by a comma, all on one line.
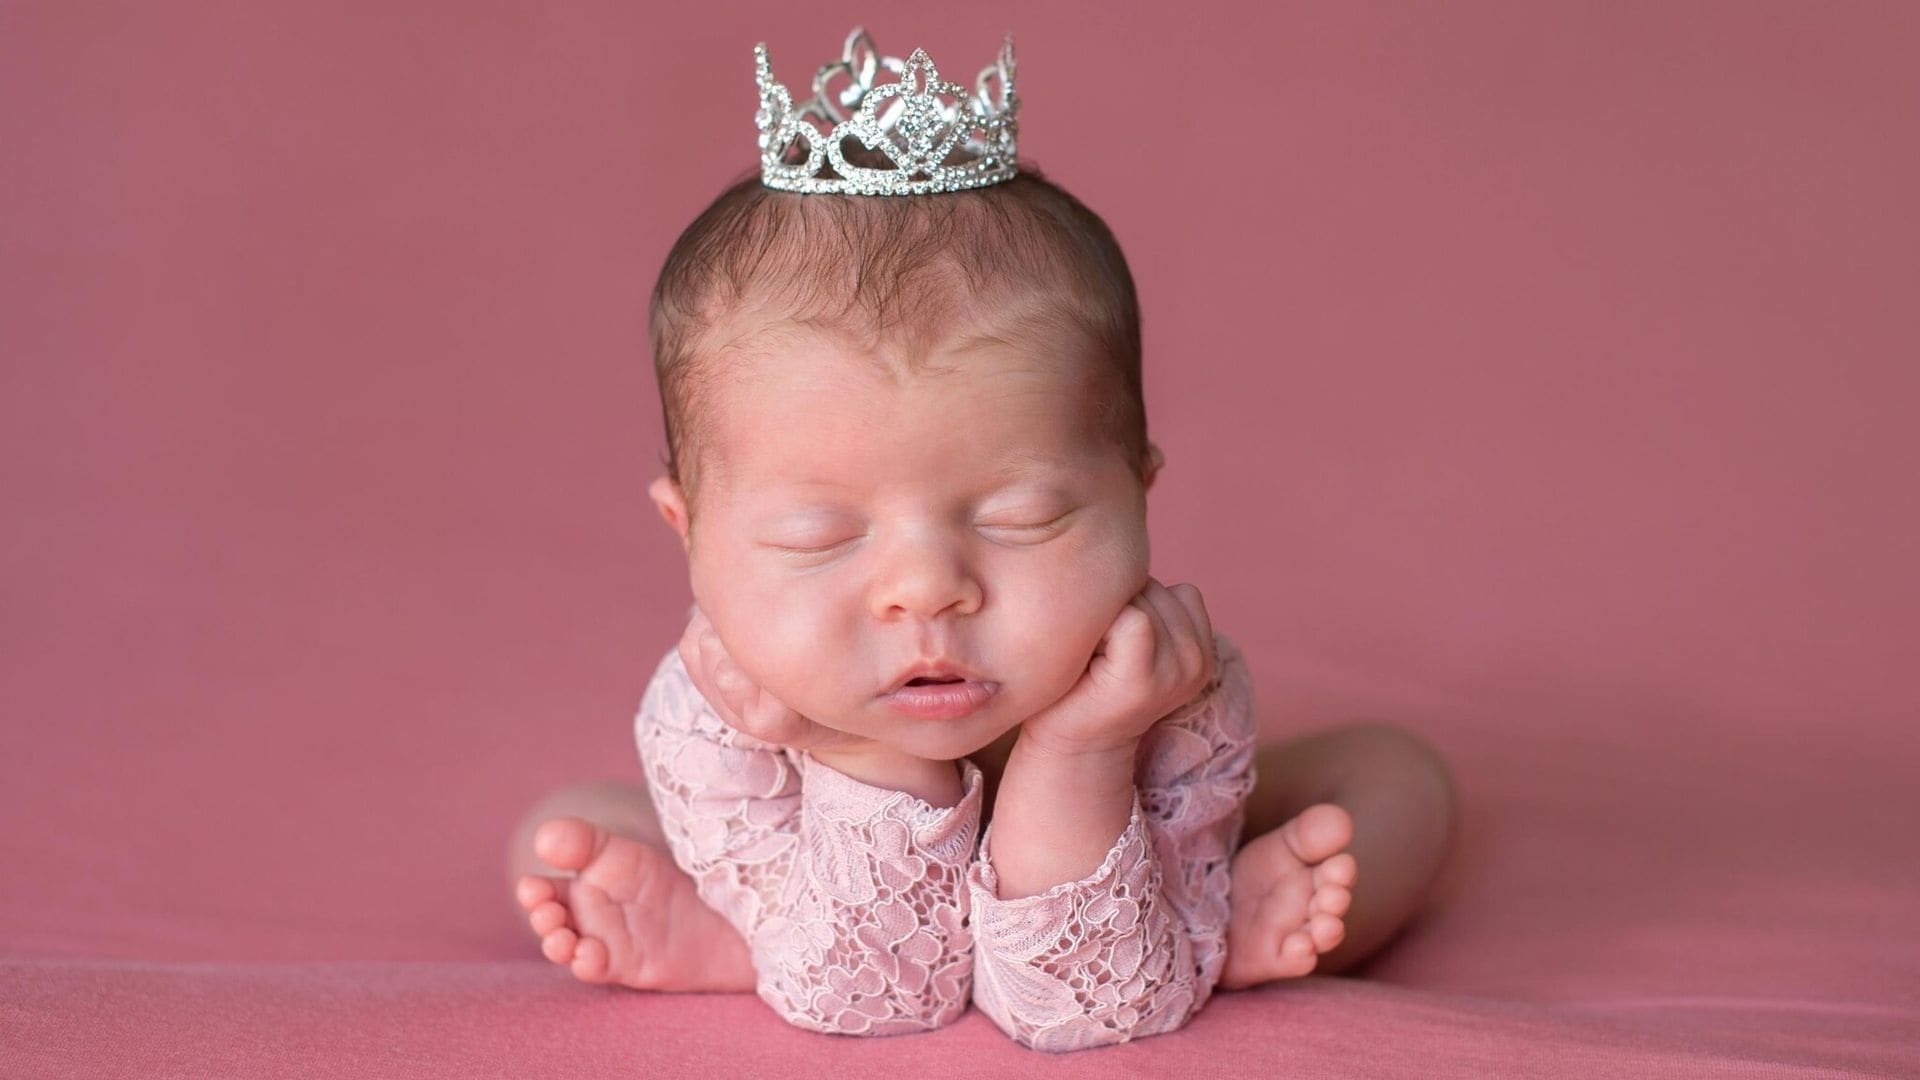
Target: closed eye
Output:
[(822, 549), (1038, 530)]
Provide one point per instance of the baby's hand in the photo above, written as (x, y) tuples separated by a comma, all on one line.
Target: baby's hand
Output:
[(740, 703), (1155, 657)]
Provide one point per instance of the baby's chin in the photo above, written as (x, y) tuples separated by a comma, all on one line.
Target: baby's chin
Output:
[(946, 753), (954, 750)]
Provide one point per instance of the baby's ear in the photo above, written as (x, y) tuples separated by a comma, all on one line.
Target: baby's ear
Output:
[(672, 504), (1155, 459)]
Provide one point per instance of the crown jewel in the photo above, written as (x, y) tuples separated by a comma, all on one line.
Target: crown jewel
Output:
[(916, 136)]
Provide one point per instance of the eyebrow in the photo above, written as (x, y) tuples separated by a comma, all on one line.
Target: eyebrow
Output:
[(1019, 465), (1023, 462), (1025, 466)]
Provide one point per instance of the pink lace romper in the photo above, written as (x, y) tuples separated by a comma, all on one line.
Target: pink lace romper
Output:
[(872, 912)]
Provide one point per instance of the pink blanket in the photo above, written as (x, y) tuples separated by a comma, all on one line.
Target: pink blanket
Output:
[(1624, 902)]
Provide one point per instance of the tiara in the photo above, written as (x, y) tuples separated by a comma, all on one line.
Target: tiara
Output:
[(920, 134)]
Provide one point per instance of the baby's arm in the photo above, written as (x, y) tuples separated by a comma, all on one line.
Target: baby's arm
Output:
[(1151, 918), (848, 894)]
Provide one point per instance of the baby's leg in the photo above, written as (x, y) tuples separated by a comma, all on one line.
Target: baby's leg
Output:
[(592, 877), (1396, 809)]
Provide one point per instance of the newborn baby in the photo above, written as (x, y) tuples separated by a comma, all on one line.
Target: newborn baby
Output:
[(933, 734)]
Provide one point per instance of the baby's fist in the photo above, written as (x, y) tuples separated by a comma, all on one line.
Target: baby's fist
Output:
[(1157, 656)]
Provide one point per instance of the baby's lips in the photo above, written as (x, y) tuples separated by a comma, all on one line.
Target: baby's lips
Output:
[(941, 670), (945, 701)]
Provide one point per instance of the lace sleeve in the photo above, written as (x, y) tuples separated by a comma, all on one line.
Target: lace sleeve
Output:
[(847, 894), (1136, 947)]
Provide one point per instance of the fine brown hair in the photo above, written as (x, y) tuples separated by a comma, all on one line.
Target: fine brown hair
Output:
[(1024, 254)]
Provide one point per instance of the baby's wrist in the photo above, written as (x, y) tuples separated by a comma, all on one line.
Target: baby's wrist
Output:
[(1057, 814), (1033, 740)]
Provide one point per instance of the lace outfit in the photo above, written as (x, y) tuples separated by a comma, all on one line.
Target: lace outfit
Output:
[(872, 912)]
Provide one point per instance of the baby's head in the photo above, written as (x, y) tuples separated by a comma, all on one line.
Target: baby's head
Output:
[(905, 429)]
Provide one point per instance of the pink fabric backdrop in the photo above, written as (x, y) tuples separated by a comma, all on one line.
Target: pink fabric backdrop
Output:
[(1536, 376)]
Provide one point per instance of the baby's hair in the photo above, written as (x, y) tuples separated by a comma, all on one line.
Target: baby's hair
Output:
[(1021, 257)]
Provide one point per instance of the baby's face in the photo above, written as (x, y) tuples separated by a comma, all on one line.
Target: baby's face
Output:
[(858, 521)]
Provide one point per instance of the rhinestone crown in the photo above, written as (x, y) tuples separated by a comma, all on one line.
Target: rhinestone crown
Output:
[(916, 136)]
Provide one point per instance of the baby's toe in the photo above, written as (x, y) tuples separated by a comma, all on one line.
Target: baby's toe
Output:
[(1297, 954), (547, 918), (532, 891), (558, 945), (1332, 899), (590, 961), (1326, 932), (1318, 832), (567, 842), (1339, 870)]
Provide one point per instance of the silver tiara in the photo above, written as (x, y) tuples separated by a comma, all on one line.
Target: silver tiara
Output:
[(921, 134)]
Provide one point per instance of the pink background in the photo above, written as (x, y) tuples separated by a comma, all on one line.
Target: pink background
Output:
[(1537, 376)]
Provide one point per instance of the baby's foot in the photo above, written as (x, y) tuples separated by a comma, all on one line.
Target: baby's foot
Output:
[(1290, 889), (630, 916)]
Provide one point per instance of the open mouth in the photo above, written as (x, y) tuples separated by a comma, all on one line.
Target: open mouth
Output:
[(941, 697)]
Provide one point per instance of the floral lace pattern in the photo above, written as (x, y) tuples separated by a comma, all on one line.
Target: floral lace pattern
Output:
[(848, 895), (869, 911), (1136, 947), (1078, 966)]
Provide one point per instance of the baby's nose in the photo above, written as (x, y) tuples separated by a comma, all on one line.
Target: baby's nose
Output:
[(925, 582)]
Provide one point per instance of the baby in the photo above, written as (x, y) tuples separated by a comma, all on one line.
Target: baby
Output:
[(933, 734)]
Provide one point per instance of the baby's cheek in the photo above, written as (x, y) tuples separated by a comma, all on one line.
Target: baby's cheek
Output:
[(1064, 618), (763, 626), (1104, 577), (797, 646)]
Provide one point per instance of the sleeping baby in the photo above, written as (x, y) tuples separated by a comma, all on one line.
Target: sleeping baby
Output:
[(934, 735)]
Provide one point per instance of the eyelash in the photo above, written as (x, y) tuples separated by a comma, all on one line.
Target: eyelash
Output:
[(1045, 526), (801, 552), (796, 552)]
